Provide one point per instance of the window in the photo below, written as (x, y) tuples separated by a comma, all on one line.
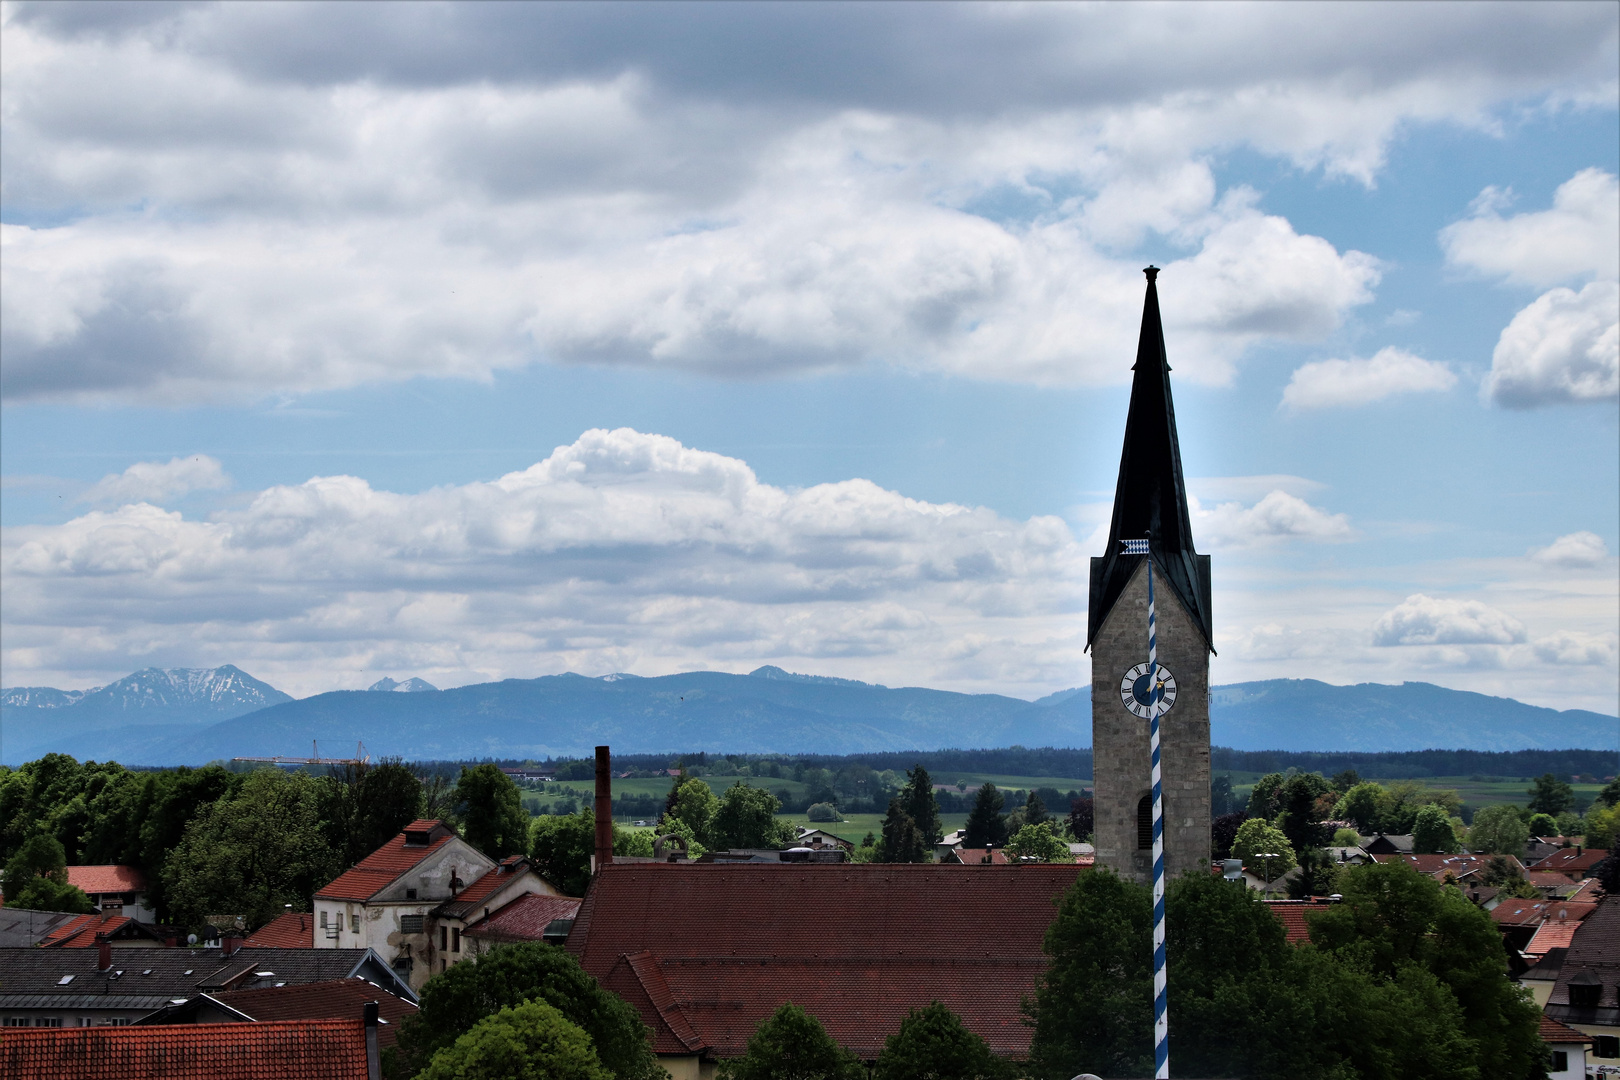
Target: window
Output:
[(455, 939), (16, 1021), (1606, 1046), (1585, 993), (48, 1021), (354, 921), (410, 924), (1144, 824), (323, 920), (410, 894), (1560, 1061), (444, 938)]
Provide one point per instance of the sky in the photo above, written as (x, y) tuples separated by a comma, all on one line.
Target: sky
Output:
[(470, 342)]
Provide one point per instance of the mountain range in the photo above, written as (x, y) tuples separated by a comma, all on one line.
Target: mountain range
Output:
[(190, 716)]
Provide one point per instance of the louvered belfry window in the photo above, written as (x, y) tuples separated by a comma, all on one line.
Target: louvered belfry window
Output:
[(1144, 824)]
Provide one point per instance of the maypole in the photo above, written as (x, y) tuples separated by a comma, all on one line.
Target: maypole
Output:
[(1161, 1016)]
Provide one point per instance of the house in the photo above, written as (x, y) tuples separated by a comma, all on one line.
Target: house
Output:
[(1567, 1048), (1557, 930), (1520, 920), (339, 1049), (1552, 884), (948, 844), (20, 927), (1541, 976), (705, 952), (1586, 993), (990, 856), (821, 838), (1574, 863), (120, 931), (115, 890), (106, 987), (292, 930), (1456, 868), (1293, 914), (332, 999), (413, 898), (1392, 844), (528, 918)]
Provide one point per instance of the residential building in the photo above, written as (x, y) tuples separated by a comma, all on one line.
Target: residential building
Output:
[(20, 927), (106, 987), (532, 917), (948, 844), (343, 1049), (821, 838), (292, 930), (706, 951), (413, 898), (120, 931), (1295, 916), (1388, 844), (115, 890), (1574, 863), (1567, 1048), (1542, 976), (332, 999), (1586, 994)]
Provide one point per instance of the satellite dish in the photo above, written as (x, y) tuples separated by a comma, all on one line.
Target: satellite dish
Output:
[(191, 939)]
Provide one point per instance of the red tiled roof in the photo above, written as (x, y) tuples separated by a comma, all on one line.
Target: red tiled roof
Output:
[(338, 998), (526, 918), (423, 825), (1293, 915), (1437, 865), (384, 866), (975, 857), (485, 886), (288, 1050), (1590, 891), (1517, 912), (1544, 879), (106, 879), (292, 930), (732, 942), (1551, 1031), (1552, 934), (81, 932), (1569, 861)]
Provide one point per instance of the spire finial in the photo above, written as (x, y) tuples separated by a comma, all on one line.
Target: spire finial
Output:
[(1152, 273)]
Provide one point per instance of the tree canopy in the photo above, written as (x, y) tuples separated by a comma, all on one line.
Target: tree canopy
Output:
[(491, 811), (1038, 841), (792, 1045), (1550, 796), (1257, 837), (530, 1041), (986, 824), (933, 1044), (1498, 830), (746, 818), (902, 841), (36, 879), (917, 799)]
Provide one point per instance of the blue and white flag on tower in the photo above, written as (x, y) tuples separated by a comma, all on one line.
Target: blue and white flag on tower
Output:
[(1135, 547)]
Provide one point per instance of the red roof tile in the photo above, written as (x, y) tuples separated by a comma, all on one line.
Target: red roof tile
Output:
[(384, 866), (1590, 890), (1547, 879), (1552, 1031), (106, 879), (1293, 914), (1552, 934), (493, 879), (335, 999), (288, 1050), (975, 857), (292, 930), (1438, 865), (1571, 862), (81, 932), (856, 945), (526, 918)]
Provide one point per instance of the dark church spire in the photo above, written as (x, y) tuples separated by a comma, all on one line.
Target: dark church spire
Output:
[(1151, 498)]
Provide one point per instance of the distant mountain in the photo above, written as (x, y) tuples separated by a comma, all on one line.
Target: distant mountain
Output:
[(770, 710), (409, 686), (142, 710)]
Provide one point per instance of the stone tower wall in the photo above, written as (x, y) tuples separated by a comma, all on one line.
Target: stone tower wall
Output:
[(1123, 763)]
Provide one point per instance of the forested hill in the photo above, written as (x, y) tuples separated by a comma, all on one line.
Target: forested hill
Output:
[(767, 711)]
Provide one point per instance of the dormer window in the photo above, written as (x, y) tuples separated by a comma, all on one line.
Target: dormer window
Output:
[(418, 837)]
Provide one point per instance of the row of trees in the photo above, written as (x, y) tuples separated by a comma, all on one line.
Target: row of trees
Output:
[(211, 841)]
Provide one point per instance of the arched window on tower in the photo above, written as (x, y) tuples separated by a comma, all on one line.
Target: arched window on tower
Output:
[(1144, 824)]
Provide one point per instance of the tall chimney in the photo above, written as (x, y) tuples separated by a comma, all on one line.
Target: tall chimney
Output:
[(604, 807), (230, 941), (373, 1059), (103, 952)]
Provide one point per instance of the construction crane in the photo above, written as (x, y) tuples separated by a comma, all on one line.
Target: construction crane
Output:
[(360, 757)]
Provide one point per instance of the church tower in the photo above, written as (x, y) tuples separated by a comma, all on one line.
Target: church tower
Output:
[(1150, 501)]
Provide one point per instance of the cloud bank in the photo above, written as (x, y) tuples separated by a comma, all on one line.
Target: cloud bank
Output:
[(1391, 371)]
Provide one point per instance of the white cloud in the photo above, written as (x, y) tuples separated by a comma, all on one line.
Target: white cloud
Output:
[(1570, 647), (1391, 371), (1427, 620), (1579, 237), (155, 481), (230, 207), (1564, 348), (1278, 516), (1579, 550), (619, 552)]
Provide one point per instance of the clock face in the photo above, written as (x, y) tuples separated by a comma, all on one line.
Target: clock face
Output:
[(1136, 690)]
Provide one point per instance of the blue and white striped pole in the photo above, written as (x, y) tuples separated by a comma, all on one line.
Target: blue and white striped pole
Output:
[(1161, 1014)]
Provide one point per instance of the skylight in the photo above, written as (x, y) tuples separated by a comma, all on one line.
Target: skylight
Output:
[(64, 980)]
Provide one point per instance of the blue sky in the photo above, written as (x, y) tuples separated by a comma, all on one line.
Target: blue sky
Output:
[(802, 336)]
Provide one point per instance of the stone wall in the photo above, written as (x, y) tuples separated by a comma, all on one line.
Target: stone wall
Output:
[(1120, 745)]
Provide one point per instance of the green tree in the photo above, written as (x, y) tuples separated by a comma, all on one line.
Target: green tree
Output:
[(562, 850), (1318, 875), (1093, 1007), (902, 840), (694, 804), (253, 852), (1600, 825), (1432, 833), (1550, 796), (1346, 838), (531, 1041), (792, 1045), (1344, 781), (491, 811), (1498, 830), (368, 805), (1257, 837), (919, 802), (456, 1000), (1039, 842), (1542, 825), (1610, 795), (747, 819), (1403, 928), (1300, 809), (1363, 804), (1265, 801), (1035, 810), (169, 802), (986, 824), (36, 879), (933, 1044)]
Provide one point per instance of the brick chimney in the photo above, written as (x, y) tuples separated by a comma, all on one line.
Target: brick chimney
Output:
[(103, 952), (604, 807), (229, 942), (373, 1059)]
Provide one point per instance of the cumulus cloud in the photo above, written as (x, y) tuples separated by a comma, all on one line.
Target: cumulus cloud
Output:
[(155, 481), (1279, 516), (1578, 237), (1391, 371), (1427, 620), (743, 191), (1579, 550), (1562, 349), (1571, 647), (620, 552)]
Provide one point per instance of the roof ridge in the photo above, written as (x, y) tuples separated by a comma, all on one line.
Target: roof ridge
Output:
[(647, 971)]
